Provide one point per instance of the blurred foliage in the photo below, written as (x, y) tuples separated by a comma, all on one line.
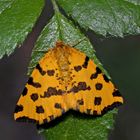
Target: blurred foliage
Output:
[(114, 17), (17, 18)]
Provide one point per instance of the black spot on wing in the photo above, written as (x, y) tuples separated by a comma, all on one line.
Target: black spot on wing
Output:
[(34, 97), (50, 72), (51, 117), (80, 102), (98, 86), (24, 91), (77, 68), (86, 62), (39, 109), (79, 87), (83, 86), (27, 119), (97, 100), (18, 108), (74, 89), (88, 111), (95, 112), (98, 70), (105, 78), (116, 93), (57, 105), (93, 76), (42, 72), (34, 84), (45, 120), (52, 91)]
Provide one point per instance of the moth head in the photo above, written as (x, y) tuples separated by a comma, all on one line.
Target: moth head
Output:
[(59, 43)]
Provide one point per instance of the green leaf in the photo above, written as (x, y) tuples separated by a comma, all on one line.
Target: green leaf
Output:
[(136, 2), (59, 28), (17, 18), (4, 5), (78, 127), (114, 17), (72, 126)]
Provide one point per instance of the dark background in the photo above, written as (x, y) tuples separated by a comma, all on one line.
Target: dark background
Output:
[(120, 57)]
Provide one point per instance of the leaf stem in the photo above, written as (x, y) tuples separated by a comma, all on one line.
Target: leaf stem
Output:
[(57, 13), (56, 9)]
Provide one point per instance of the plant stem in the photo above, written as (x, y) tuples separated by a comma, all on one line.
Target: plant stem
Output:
[(57, 13), (56, 9)]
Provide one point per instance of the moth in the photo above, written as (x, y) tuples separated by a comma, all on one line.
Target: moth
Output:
[(65, 78)]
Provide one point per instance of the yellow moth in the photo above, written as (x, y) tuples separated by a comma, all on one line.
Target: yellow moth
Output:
[(64, 79)]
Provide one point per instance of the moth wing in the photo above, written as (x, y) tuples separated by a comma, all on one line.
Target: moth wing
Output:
[(42, 100), (93, 92)]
